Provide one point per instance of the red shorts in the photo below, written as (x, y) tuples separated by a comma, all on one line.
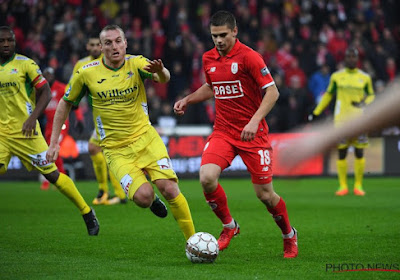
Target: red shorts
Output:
[(221, 149)]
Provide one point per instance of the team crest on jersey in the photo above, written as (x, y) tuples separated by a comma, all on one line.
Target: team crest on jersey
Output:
[(39, 71), (68, 91), (14, 71), (234, 67), (130, 74), (94, 63)]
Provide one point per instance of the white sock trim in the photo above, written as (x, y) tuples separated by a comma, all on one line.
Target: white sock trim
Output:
[(289, 235)]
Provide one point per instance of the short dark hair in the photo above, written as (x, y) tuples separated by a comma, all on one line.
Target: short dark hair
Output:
[(221, 18), (94, 35), (352, 49), (7, 28)]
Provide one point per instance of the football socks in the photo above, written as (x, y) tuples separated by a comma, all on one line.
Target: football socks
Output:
[(359, 166), (219, 204), (100, 170), (280, 215), (181, 212), (68, 188), (342, 173)]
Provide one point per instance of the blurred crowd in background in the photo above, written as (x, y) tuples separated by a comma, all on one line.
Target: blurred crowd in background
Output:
[(302, 43)]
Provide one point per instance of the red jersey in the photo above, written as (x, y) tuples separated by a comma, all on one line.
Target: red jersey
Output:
[(57, 92), (237, 80)]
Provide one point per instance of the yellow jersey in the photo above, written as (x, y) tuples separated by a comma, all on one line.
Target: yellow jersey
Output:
[(19, 76), (84, 61), (350, 86), (117, 97)]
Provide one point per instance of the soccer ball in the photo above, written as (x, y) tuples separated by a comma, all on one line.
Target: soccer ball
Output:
[(202, 247)]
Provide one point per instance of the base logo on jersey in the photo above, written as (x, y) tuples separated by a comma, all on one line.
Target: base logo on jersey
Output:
[(227, 89), (234, 67), (126, 182), (164, 163), (40, 159)]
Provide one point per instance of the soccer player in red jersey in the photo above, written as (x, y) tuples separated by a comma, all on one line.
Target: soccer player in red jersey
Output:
[(245, 93), (57, 92)]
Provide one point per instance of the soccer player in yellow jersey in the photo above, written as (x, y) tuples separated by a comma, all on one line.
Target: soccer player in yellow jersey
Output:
[(95, 152), (24, 94), (353, 89), (131, 145)]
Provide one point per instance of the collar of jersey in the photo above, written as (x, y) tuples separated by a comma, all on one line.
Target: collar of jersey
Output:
[(113, 69), (348, 70), (233, 51), (11, 58)]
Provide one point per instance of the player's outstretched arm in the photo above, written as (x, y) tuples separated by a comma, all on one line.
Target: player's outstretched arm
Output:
[(203, 93), (60, 116), (381, 113), (160, 73)]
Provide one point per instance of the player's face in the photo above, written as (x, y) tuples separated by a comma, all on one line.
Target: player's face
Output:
[(113, 45), (351, 59), (7, 44), (94, 48), (224, 38)]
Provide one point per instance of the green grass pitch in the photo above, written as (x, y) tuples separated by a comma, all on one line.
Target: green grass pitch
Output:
[(42, 235)]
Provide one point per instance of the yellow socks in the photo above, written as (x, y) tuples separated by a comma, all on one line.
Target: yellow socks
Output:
[(100, 170), (68, 188), (359, 166), (118, 191), (181, 212), (342, 173)]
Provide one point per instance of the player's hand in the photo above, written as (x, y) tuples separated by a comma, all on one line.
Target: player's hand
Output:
[(311, 117), (52, 152), (249, 131), (29, 127), (358, 104), (180, 107), (79, 126), (154, 66)]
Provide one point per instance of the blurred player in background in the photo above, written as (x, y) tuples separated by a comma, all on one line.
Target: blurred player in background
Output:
[(131, 145), (57, 92), (353, 90), (244, 94), (383, 112), (24, 94), (95, 152)]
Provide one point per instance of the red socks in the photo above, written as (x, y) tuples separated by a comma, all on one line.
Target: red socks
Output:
[(218, 203), (279, 213)]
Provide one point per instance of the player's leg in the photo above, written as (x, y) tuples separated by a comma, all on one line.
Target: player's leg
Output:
[(5, 155), (277, 207), (341, 164), (67, 187), (120, 196), (100, 170), (217, 155), (359, 167), (177, 204), (154, 157), (32, 154)]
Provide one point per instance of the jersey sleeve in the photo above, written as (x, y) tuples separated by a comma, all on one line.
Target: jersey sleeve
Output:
[(208, 80), (76, 88), (141, 62), (34, 74), (258, 70), (332, 85)]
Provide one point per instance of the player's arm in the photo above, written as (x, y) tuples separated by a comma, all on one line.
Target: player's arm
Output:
[(160, 73), (267, 103), (203, 93), (62, 112), (325, 99)]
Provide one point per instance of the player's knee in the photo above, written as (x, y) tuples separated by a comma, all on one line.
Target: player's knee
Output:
[(144, 196), (208, 181), (359, 153), (168, 188), (52, 177), (3, 168)]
